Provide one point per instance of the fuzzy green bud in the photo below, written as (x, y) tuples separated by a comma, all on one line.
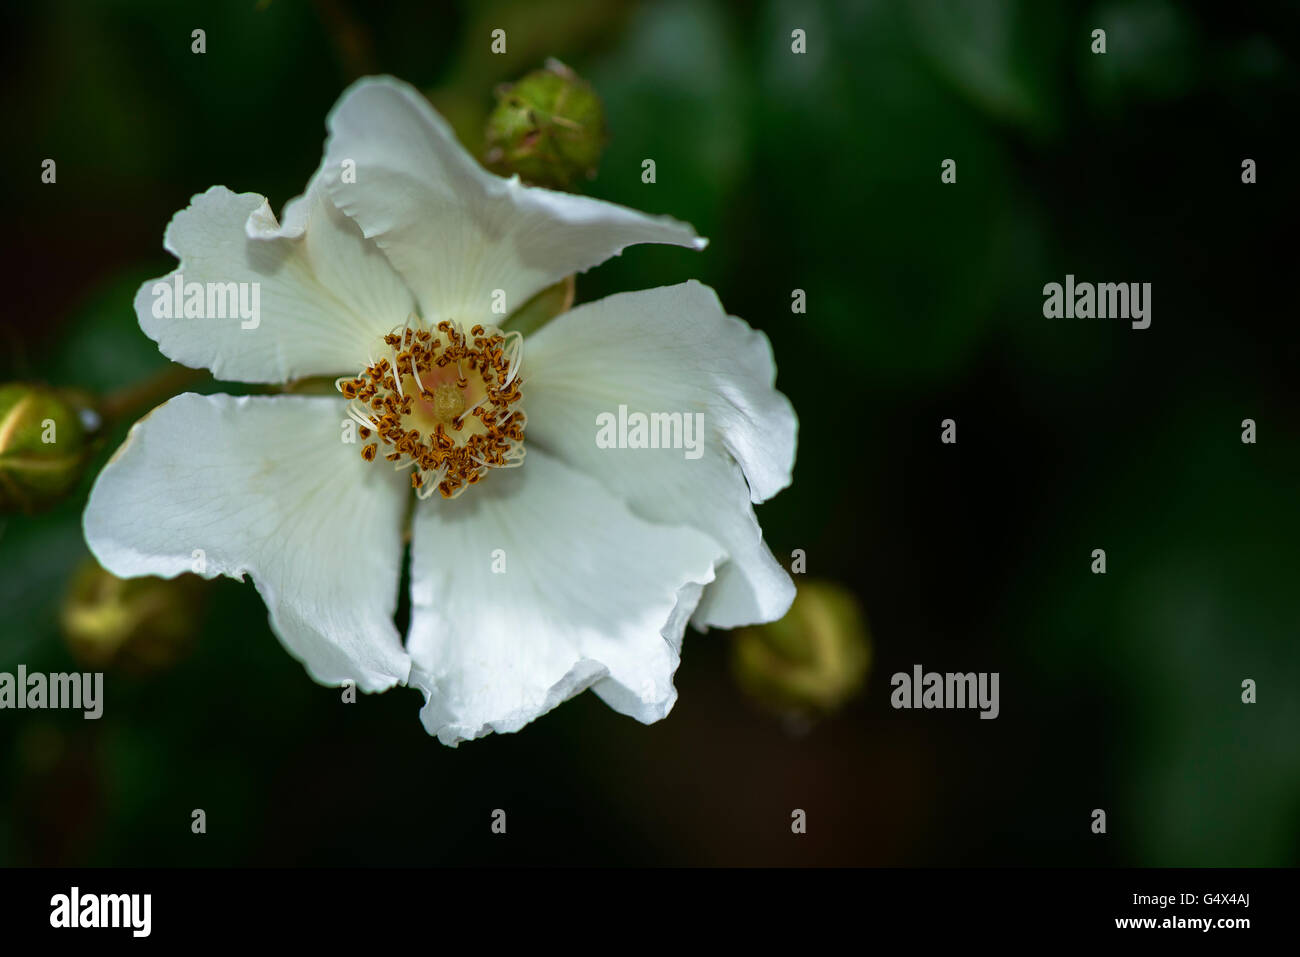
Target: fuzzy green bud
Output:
[(549, 128), (138, 624), (42, 446), (811, 661)]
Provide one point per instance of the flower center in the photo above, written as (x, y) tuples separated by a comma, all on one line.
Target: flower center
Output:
[(446, 404)]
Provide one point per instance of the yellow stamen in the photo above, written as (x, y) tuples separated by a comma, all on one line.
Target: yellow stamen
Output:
[(448, 404)]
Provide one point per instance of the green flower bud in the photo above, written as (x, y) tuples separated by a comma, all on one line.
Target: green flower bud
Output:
[(549, 128), (42, 446), (811, 661), (139, 624)]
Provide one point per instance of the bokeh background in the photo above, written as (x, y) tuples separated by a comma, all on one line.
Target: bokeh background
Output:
[(818, 172)]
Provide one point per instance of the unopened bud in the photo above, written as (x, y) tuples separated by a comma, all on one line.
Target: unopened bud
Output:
[(549, 128), (138, 624), (811, 661), (42, 446)]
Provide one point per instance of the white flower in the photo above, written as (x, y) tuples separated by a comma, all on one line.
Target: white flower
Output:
[(563, 565)]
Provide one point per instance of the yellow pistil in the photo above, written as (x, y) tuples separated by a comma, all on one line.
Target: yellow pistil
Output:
[(448, 402)]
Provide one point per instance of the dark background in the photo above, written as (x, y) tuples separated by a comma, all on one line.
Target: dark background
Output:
[(818, 172)]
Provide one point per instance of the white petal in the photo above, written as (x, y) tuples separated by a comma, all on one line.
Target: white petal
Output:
[(455, 232), (591, 596), (265, 485), (324, 294), (674, 350)]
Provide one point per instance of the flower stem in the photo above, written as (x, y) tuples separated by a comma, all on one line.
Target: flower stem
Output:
[(150, 392)]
